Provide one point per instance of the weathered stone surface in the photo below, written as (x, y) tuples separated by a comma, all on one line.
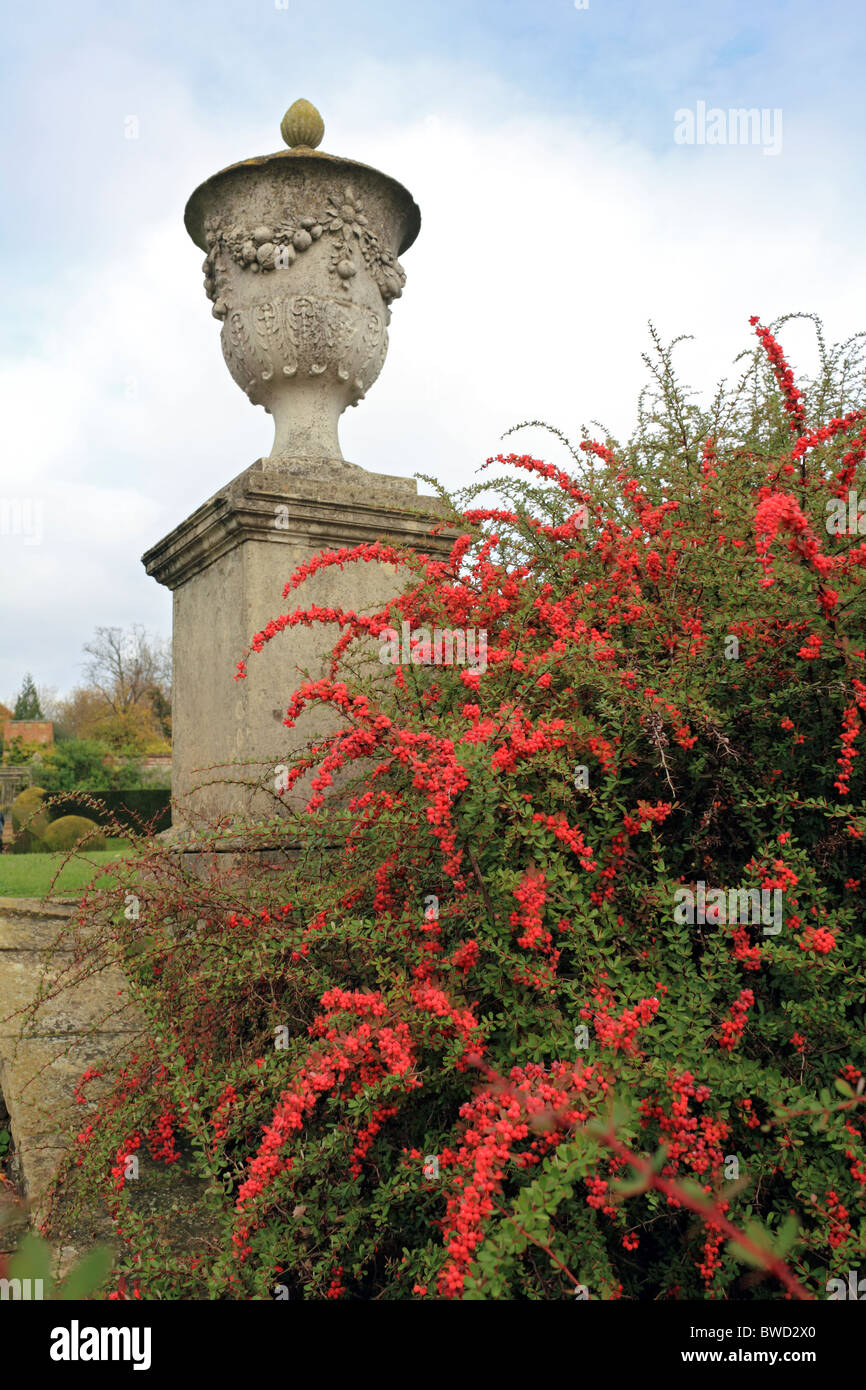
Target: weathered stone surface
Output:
[(69, 1004), (88, 1022), (42, 1074), (301, 267), (31, 924), (227, 565), (38, 1075), (170, 1200)]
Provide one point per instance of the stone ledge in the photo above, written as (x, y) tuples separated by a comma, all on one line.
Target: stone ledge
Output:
[(39, 907), (75, 1002), (48, 934), (325, 507)]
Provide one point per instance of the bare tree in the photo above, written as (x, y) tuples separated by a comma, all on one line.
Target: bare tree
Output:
[(50, 701), (129, 667)]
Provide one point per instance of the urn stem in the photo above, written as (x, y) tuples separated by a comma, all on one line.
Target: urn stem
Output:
[(306, 424)]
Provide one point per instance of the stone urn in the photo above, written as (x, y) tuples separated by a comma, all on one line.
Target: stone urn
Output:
[(301, 266)]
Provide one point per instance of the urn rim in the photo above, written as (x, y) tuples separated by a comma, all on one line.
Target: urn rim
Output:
[(195, 213)]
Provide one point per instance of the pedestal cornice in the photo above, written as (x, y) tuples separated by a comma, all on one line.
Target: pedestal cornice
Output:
[(324, 509)]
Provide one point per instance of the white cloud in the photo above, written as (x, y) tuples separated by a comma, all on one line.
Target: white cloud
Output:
[(545, 247)]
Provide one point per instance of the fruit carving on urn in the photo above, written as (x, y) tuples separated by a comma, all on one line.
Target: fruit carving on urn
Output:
[(301, 265)]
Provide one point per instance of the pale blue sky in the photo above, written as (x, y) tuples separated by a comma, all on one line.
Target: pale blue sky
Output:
[(558, 215)]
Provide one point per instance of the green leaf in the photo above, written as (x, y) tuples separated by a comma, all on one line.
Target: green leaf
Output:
[(744, 1256), (788, 1234), (630, 1189), (761, 1237), (90, 1272), (32, 1260)]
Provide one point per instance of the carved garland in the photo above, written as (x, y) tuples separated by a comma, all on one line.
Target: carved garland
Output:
[(267, 248)]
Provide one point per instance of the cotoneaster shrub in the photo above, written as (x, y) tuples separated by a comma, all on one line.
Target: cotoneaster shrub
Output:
[(466, 1044)]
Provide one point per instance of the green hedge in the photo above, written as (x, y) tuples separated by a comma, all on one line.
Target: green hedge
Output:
[(133, 807)]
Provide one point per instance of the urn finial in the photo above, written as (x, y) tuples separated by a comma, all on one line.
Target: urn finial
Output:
[(302, 126), (301, 267)]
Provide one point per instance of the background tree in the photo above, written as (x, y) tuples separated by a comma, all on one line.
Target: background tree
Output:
[(27, 704), (128, 702), (80, 711), (50, 702), (128, 666)]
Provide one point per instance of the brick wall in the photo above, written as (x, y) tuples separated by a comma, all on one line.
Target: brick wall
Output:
[(28, 730)]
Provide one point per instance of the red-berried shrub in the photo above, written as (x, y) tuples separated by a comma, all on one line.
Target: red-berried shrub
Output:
[(577, 1001)]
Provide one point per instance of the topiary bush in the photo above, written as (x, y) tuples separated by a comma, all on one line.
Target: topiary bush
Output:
[(64, 833), (29, 820), (577, 1003)]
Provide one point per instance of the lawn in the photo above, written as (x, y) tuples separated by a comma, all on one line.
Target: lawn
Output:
[(30, 875)]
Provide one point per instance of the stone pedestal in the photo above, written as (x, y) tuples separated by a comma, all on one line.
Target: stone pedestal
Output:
[(226, 565), (301, 268)]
